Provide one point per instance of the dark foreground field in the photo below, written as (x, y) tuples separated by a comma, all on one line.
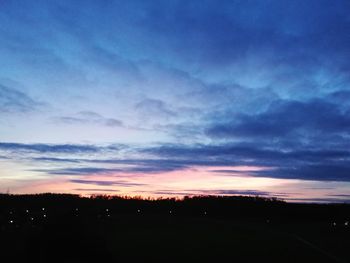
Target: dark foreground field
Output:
[(54, 228)]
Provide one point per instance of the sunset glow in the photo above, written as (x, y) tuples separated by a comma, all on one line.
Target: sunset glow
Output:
[(176, 98)]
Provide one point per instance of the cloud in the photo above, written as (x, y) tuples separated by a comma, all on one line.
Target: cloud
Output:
[(181, 131), (314, 163), (319, 171), (240, 151), (110, 60), (56, 160), (221, 192), (80, 171), (284, 118), (153, 108), (106, 183), (14, 101), (320, 200), (340, 195), (54, 148), (207, 152), (247, 192), (305, 164), (311, 164), (140, 166), (95, 190), (88, 117), (253, 83)]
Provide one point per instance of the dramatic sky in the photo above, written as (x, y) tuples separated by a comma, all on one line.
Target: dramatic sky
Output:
[(172, 98)]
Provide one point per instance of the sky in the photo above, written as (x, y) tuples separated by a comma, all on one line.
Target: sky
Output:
[(173, 98)]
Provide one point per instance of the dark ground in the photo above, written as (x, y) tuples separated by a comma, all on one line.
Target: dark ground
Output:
[(206, 229)]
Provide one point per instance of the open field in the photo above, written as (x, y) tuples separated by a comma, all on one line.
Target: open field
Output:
[(110, 236)]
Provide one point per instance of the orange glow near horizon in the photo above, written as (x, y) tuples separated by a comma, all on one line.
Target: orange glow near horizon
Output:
[(196, 180)]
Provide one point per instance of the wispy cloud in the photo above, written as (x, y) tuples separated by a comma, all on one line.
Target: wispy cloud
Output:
[(221, 192), (56, 160), (88, 117), (154, 108), (80, 171), (14, 101), (54, 148), (312, 164), (85, 190), (106, 183)]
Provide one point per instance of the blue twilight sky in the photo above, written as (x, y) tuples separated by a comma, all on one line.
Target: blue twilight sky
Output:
[(176, 97)]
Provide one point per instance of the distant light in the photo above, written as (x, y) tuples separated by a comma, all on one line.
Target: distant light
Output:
[(11, 212), (170, 212), (43, 208), (138, 210), (27, 211), (205, 212), (108, 215), (44, 215), (76, 209), (334, 223), (11, 221), (346, 223), (268, 221), (107, 210), (32, 218)]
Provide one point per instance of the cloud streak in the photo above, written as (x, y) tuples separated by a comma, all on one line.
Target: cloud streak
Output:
[(15, 101), (55, 148), (106, 183), (88, 117)]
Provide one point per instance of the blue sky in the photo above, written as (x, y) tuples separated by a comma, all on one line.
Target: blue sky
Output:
[(176, 97)]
